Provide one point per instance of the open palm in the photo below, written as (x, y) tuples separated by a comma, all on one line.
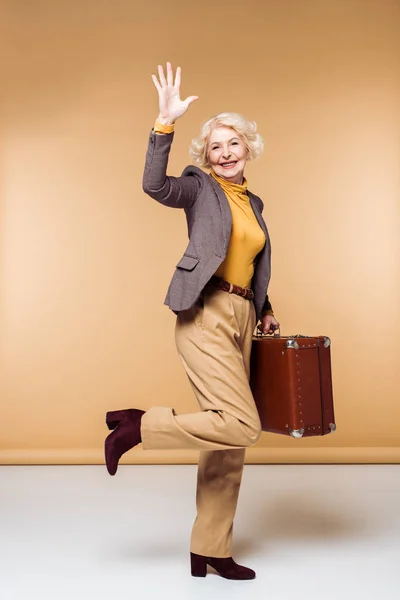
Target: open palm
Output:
[(170, 103)]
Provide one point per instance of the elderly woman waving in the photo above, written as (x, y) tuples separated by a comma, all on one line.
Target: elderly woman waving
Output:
[(219, 293)]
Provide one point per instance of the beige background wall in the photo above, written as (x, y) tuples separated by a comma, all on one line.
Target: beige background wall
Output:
[(86, 257)]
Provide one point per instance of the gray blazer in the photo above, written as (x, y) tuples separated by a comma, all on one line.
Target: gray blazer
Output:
[(209, 222)]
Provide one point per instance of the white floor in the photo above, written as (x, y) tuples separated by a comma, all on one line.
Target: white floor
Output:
[(323, 531)]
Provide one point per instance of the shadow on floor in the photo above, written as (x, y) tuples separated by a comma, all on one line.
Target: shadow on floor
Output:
[(295, 518)]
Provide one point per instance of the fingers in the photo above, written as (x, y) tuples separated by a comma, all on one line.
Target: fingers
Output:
[(268, 328), (169, 75), (169, 81), (155, 80), (178, 78), (161, 76), (189, 100), (263, 329)]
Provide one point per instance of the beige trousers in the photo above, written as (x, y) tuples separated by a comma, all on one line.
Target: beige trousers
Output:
[(213, 339)]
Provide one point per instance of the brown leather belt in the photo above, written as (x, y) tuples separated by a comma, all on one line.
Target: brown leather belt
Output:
[(221, 284)]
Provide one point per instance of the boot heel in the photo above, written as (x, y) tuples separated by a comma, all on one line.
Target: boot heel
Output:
[(113, 418), (198, 565), (126, 435)]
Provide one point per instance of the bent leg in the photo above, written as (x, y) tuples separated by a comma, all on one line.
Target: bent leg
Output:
[(209, 339)]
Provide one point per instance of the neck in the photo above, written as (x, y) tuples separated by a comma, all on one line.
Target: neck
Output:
[(239, 178)]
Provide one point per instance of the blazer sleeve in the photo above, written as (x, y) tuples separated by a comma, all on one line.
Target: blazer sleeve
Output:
[(175, 192), (267, 307)]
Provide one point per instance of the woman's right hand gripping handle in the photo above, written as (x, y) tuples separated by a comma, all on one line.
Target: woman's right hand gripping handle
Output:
[(171, 106)]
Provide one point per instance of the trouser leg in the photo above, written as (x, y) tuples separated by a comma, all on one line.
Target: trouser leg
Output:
[(218, 482), (219, 476)]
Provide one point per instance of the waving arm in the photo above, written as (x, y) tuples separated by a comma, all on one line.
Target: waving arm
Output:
[(175, 192)]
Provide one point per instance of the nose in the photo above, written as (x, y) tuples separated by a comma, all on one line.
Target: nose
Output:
[(226, 153)]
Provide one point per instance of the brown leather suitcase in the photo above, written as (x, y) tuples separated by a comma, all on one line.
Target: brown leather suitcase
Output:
[(291, 381)]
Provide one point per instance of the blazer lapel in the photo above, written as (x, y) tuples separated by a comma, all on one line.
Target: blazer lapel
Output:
[(258, 214), (265, 254)]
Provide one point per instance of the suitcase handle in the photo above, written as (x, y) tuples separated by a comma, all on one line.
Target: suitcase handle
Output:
[(275, 334), (278, 335)]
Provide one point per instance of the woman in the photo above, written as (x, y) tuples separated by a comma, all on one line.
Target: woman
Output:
[(218, 291)]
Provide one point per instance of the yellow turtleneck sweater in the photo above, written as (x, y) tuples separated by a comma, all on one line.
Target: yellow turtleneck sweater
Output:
[(247, 238)]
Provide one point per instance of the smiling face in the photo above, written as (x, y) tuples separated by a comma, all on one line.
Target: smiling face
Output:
[(227, 154)]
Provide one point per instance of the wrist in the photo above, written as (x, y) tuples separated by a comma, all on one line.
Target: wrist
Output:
[(159, 128), (164, 120)]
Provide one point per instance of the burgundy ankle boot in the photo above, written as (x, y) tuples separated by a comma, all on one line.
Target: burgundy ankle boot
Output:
[(126, 435), (226, 567)]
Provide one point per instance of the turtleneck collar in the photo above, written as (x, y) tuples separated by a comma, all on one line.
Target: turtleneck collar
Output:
[(229, 186)]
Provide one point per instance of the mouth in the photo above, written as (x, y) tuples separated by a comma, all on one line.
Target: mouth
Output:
[(228, 165)]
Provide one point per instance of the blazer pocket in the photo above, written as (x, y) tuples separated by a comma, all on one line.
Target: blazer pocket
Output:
[(187, 262)]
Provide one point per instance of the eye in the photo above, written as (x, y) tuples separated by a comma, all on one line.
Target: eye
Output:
[(235, 143)]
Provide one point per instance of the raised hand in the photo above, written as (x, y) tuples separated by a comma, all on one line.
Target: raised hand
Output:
[(171, 106)]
